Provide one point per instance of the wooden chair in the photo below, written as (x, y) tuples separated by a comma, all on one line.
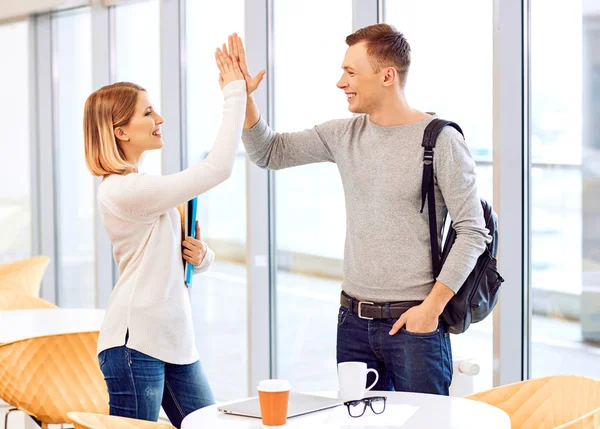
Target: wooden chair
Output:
[(24, 275)]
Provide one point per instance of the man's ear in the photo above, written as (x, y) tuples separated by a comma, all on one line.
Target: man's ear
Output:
[(390, 76), (121, 134)]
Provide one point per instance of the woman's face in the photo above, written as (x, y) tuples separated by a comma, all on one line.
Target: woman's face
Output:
[(143, 132)]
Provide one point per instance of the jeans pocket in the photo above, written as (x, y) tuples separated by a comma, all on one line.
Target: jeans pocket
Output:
[(420, 334), (342, 316), (102, 359)]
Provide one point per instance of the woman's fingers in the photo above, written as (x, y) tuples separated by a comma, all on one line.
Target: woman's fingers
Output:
[(194, 260), (237, 70), (191, 243), (227, 62), (219, 61)]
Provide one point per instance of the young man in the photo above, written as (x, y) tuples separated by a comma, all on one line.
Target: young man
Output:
[(390, 304)]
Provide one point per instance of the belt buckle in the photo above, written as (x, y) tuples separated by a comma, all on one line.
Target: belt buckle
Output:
[(360, 303)]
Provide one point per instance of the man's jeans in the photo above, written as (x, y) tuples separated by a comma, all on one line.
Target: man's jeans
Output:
[(139, 384), (406, 362)]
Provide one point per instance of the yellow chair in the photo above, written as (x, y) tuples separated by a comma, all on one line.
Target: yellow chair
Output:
[(47, 377), (14, 300), (102, 421), (24, 275), (563, 401)]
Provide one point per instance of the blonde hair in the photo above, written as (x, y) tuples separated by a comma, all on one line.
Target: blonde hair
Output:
[(109, 107)]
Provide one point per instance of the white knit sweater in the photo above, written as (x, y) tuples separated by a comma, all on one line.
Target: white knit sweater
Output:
[(140, 217)]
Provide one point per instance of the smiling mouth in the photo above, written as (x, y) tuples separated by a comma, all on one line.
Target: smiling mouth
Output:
[(157, 133), (350, 96)]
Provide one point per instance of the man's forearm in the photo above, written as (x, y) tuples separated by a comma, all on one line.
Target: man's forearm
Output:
[(252, 114), (439, 297)]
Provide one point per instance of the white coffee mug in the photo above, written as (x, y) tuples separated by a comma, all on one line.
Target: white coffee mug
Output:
[(352, 377)]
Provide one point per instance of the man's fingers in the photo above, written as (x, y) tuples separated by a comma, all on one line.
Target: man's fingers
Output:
[(259, 77), (241, 54), (234, 47), (230, 44), (399, 324)]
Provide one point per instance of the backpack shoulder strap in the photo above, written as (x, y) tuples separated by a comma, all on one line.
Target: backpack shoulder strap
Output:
[(430, 136)]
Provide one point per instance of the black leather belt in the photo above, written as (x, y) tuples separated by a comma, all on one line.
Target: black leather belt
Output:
[(373, 310)]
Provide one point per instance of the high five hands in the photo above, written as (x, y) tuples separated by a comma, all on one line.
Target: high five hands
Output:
[(234, 52)]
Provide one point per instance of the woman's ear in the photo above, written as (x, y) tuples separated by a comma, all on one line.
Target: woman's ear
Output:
[(121, 134)]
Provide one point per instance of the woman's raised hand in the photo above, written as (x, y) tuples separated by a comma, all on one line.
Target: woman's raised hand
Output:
[(229, 69)]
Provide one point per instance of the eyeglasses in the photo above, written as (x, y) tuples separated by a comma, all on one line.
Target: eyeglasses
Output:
[(357, 408)]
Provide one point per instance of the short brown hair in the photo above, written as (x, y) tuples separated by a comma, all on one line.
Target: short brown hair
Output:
[(386, 47), (109, 107)]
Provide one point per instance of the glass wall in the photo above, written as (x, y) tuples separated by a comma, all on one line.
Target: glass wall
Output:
[(565, 184), (137, 33), (310, 208), (76, 204), (222, 210), (15, 169), (455, 80)]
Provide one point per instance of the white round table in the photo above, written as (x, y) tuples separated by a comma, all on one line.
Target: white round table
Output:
[(21, 324), (403, 410)]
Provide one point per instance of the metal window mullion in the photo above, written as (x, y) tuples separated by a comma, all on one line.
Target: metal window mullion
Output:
[(172, 32), (102, 74), (366, 12), (43, 163), (511, 194), (261, 244), (34, 138)]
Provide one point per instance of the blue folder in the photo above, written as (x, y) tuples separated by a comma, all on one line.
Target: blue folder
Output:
[(192, 209)]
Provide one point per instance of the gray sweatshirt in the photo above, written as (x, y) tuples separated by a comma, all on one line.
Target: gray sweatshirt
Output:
[(387, 254)]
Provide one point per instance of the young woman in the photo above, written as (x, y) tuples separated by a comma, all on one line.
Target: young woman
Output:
[(146, 347)]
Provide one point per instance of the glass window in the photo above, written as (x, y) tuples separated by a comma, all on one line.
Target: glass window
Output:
[(222, 341), (75, 203), (310, 246), (137, 32), (15, 186), (565, 184), (452, 74)]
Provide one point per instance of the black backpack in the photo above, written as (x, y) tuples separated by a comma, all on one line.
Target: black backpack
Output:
[(479, 294)]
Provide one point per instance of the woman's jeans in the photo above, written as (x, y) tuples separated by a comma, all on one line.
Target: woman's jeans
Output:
[(138, 385)]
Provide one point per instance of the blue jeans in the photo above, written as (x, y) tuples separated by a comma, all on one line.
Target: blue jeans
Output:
[(139, 384), (406, 362)]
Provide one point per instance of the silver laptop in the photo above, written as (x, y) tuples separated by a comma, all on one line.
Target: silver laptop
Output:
[(299, 404)]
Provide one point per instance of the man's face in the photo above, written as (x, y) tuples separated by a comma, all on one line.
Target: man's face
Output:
[(363, 87)]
